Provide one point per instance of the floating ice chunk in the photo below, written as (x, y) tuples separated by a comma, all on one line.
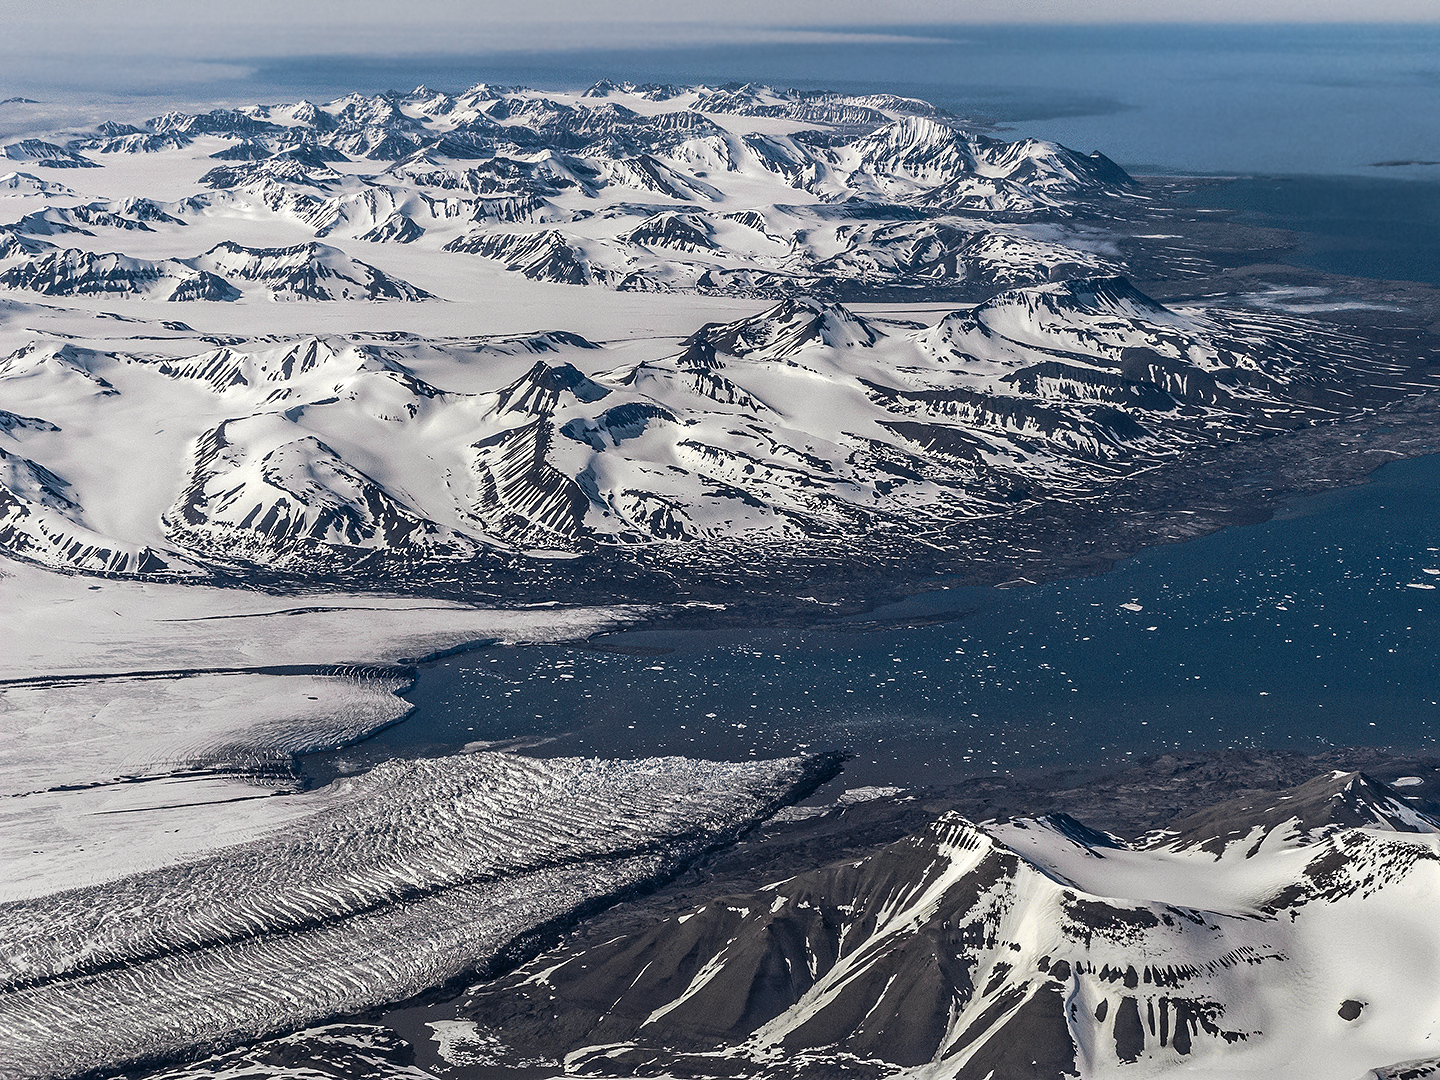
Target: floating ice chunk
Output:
[(1132, 606)]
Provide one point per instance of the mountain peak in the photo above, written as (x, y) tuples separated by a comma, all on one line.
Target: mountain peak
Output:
[(793, 324), (1299, 815)]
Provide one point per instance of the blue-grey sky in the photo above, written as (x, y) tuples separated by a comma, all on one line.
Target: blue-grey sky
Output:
[(96, 49), (298, 27)]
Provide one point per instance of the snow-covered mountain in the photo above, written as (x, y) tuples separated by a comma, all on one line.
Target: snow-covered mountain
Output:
[(805, 420), (769, 411), (47, 154), (1277, 939), (609, 171), (303, 272)]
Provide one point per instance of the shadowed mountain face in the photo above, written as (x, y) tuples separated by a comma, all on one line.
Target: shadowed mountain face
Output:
[(1026, 948)]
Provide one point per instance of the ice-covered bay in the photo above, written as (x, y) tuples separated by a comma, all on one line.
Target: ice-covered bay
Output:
[(68, 625), (93, 731), (102, 777)]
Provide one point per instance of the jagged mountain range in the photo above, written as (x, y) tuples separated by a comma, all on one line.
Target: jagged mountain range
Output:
[(310, 271), (1268, 938), (806, 421), (732, 190), (793, 419), (782, 321)]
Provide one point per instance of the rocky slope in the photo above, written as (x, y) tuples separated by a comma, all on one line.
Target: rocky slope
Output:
[(1271, 939)]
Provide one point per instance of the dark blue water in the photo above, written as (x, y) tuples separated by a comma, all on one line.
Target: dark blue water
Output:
[(1315, 629), (1353, 225)]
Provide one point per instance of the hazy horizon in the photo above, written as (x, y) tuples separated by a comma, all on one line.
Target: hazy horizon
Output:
[(177, 41)]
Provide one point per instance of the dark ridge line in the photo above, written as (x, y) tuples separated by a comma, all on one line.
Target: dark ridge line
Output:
[(256, 770), (438, 605), (182, 806), (405, 668)]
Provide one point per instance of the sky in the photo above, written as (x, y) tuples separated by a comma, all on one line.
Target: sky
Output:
[(186, 28), (100, 52)]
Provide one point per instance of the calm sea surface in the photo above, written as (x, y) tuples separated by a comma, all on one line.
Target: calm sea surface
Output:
[(1318, 628), (1355, 225)]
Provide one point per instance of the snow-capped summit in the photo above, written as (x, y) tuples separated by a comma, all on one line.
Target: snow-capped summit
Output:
[(1033, 948), (306, 272), (73, 272), (47, 154), (791, 408), (921, 159), (1303, 815), (788, 327)]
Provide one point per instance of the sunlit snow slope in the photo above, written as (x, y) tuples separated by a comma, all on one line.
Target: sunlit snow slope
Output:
[(1289, 938)]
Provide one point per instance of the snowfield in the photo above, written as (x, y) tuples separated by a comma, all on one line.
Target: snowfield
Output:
[(145, 722)]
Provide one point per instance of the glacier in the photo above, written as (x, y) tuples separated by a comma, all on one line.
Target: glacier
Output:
[(409, 876)]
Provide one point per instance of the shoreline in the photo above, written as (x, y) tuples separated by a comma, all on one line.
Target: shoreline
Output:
[(647, 640)]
